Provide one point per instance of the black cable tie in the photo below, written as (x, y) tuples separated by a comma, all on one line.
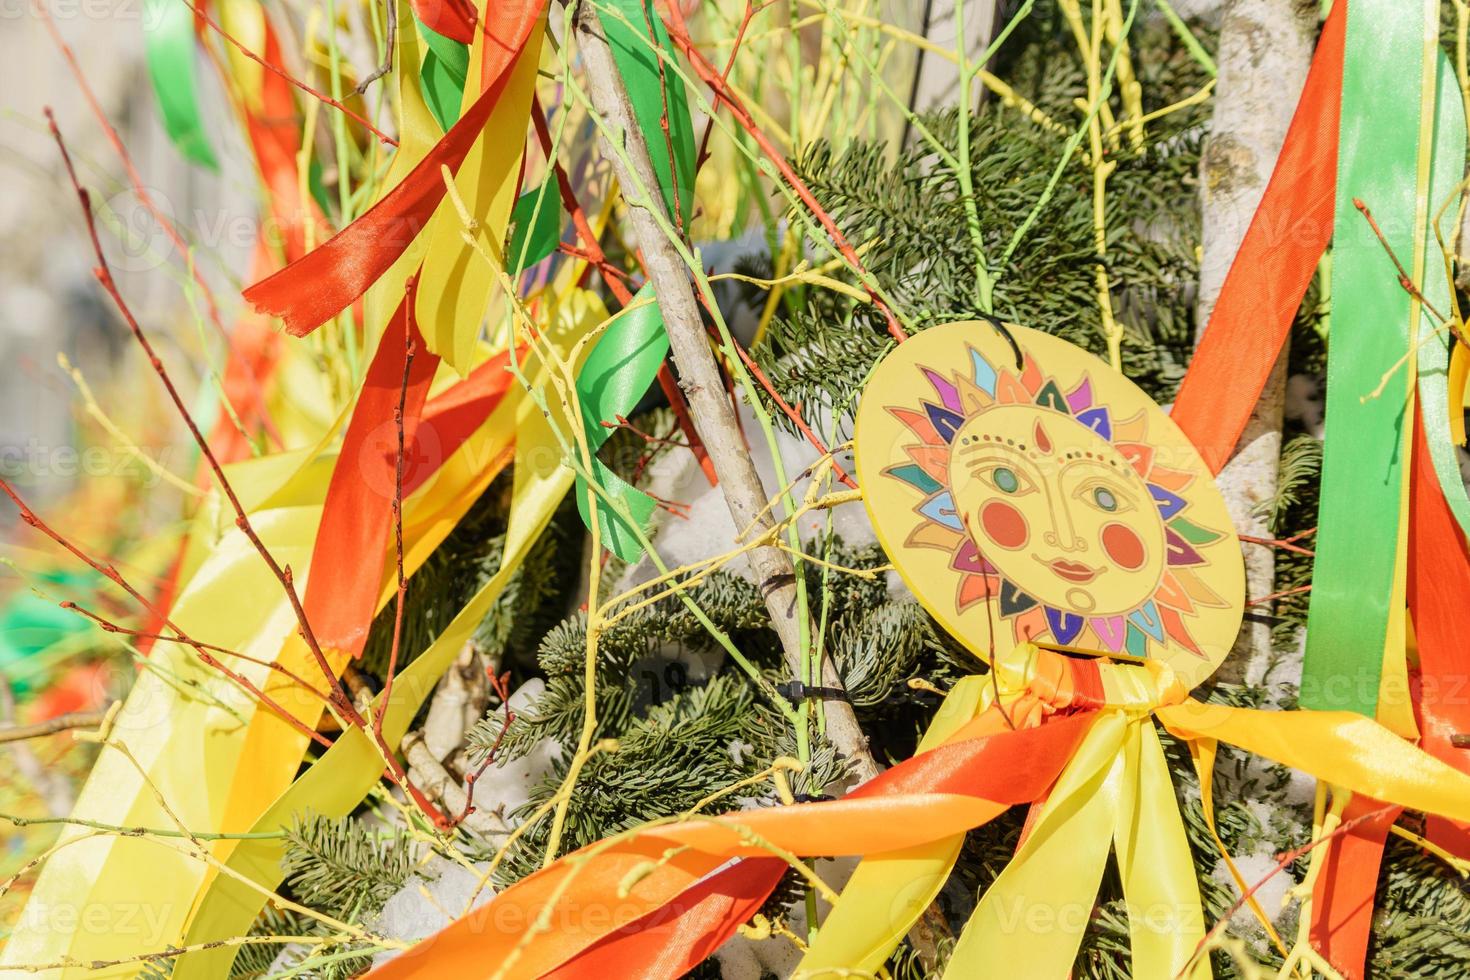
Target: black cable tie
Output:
[(1005, 332), (797, 692), (811, 798)]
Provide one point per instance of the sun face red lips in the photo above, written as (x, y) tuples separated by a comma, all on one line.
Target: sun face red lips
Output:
[(1074, 571)]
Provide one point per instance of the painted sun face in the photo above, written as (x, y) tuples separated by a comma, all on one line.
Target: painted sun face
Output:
[(1027, 492), (1061, 514)]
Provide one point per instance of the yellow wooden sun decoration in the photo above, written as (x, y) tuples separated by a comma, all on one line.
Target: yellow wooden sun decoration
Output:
[(1058, 490)]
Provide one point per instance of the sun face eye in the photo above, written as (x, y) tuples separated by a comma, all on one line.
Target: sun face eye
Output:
[(1008, 481), (1104, 498)]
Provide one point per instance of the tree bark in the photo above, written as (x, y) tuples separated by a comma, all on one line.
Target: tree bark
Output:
[(1264, 52), (699, 377), (936, 83)]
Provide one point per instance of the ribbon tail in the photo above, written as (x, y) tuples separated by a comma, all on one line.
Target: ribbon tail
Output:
[(457, 283), (169, 45), (347, 561), (1342, 895), (1031, 920), (1439, 581), (613, 379), (888, 892), (1340, 747), (1202, 753), (669, 942), (1166, 922)]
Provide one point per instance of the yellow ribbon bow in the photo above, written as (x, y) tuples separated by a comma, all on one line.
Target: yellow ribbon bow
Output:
[(1114, 794)]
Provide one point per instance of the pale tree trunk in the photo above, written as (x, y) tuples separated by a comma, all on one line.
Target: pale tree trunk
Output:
[(1265, 49), (936, 82), (700, 379)]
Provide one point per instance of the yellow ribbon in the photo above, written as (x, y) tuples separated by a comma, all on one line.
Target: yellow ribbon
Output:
[(1115, 794)]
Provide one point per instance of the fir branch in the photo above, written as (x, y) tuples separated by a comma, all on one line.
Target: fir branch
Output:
[(343, 868)]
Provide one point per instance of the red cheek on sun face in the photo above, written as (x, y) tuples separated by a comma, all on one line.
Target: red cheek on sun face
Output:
[(1123, 546), (1004, 524)]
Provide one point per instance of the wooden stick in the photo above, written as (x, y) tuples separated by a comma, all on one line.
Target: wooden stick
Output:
[(61, 723), (699, 376)]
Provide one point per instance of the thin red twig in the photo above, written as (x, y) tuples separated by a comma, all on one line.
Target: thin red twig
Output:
[(108, 571), (591, 247), (790, 412), (314, 93), (1279, 595), (751, 9), (107, 626), (1282, 543), (501, 686), (103, 274), (410, 295), (1404, 279), (653, 440), (679, 32)]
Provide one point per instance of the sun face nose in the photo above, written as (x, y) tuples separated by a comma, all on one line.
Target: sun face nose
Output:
[(1068, 541), (1063, 534)]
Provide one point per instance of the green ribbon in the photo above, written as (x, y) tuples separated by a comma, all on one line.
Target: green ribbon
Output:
[(536, 220), (1435, 339), (168, 35), (625, 361), (1368, 437), (446, 66), (626, 25), (32, 624), (613, 378)]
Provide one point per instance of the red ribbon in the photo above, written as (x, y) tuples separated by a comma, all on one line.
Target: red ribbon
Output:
[(1439, 582), (455, 19), (671, 941), (348, 560), (325, 281), (1008, 767), (1272, 269), (1347, 880)]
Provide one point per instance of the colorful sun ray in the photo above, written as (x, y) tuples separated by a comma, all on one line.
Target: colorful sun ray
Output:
[(1031, 375), (945, 422), (1050, 396), (933, 460), (982, 372), (947, 392), (918, 423), (1079, 399)]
